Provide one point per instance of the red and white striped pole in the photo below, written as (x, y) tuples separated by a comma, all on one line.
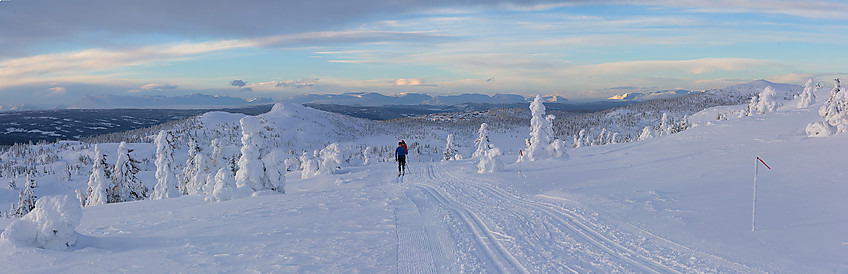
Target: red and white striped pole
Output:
[(754, 210)]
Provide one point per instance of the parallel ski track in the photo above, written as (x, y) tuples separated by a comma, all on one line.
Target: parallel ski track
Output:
[(576, 224), (484, 238)]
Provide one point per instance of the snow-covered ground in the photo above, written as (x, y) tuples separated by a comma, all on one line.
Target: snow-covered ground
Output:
[(677, 203)]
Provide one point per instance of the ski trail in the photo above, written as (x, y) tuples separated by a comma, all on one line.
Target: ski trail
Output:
[(484, 238), (623, 248)]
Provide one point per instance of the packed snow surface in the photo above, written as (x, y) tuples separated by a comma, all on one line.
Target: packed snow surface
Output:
[(675, 203)]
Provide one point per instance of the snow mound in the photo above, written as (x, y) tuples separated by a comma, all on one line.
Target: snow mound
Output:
[(51, 225)]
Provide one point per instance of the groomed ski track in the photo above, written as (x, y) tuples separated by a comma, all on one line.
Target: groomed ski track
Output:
[(456, 223)]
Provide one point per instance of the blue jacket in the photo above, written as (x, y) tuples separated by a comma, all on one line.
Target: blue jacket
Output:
[(400, 151)]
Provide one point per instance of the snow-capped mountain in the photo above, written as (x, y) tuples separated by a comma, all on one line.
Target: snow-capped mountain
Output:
[(639, 96), (196, 100)]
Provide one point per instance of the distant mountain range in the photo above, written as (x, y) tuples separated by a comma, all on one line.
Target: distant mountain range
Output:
[(746, 89), (193, 101), (377, 99)]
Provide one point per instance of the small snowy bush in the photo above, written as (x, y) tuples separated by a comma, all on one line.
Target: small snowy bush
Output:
[(490, 161), (820, 129), (224, 186), (308, 165), (50, 225)]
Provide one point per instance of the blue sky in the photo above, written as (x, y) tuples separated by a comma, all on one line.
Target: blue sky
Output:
[(54, 52)]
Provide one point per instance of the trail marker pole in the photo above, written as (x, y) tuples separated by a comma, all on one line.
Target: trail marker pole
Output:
[(754, 210)]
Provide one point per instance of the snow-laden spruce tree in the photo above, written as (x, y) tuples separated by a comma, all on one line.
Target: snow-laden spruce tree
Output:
[(449, 152), (580, 139), (834, 112), (190, 169), (125, 185), (166, 185), (219, 159), (647, 133), (366, 156), (482, 141), (808, 96), (26, 198), (331, 159), (251, 171), (764, 102), (275, 170), (542, 144), (98, 182), (200, 176), (51, 224)]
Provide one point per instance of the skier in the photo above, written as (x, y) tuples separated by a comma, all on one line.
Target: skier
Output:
[(400, 156)]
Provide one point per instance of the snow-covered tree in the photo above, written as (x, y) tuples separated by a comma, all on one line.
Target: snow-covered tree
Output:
[(331, 159), (219, 159), (542, 144), (166, 186), (767, 101), (26, 198), (366, 156), (835, 110), (292, 164), (449, 152), (190, 169), (251, 171), (203, 167), (125, 185), (98, 182), (482, 141), (308, 165), (275, 170), (647, 133), (490, 161), (808, 96), (224, 186)]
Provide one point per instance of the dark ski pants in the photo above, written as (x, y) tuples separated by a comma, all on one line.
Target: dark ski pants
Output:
[(401, 164)]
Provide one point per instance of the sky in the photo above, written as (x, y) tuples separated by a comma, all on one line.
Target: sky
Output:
[(54, 52)]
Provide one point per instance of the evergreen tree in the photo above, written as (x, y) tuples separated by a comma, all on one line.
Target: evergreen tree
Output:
[(166, 186), (449, 152), (251, 171), (190, 170), (542, 144), (482, 141), (808, 96), (125, 185), (26, 198), (98, 182)]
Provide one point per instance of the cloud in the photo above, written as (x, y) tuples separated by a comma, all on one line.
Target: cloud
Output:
[(412, 82), (238, 83)]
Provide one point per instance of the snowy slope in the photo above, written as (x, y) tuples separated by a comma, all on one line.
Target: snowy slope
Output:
[(678, 203)]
